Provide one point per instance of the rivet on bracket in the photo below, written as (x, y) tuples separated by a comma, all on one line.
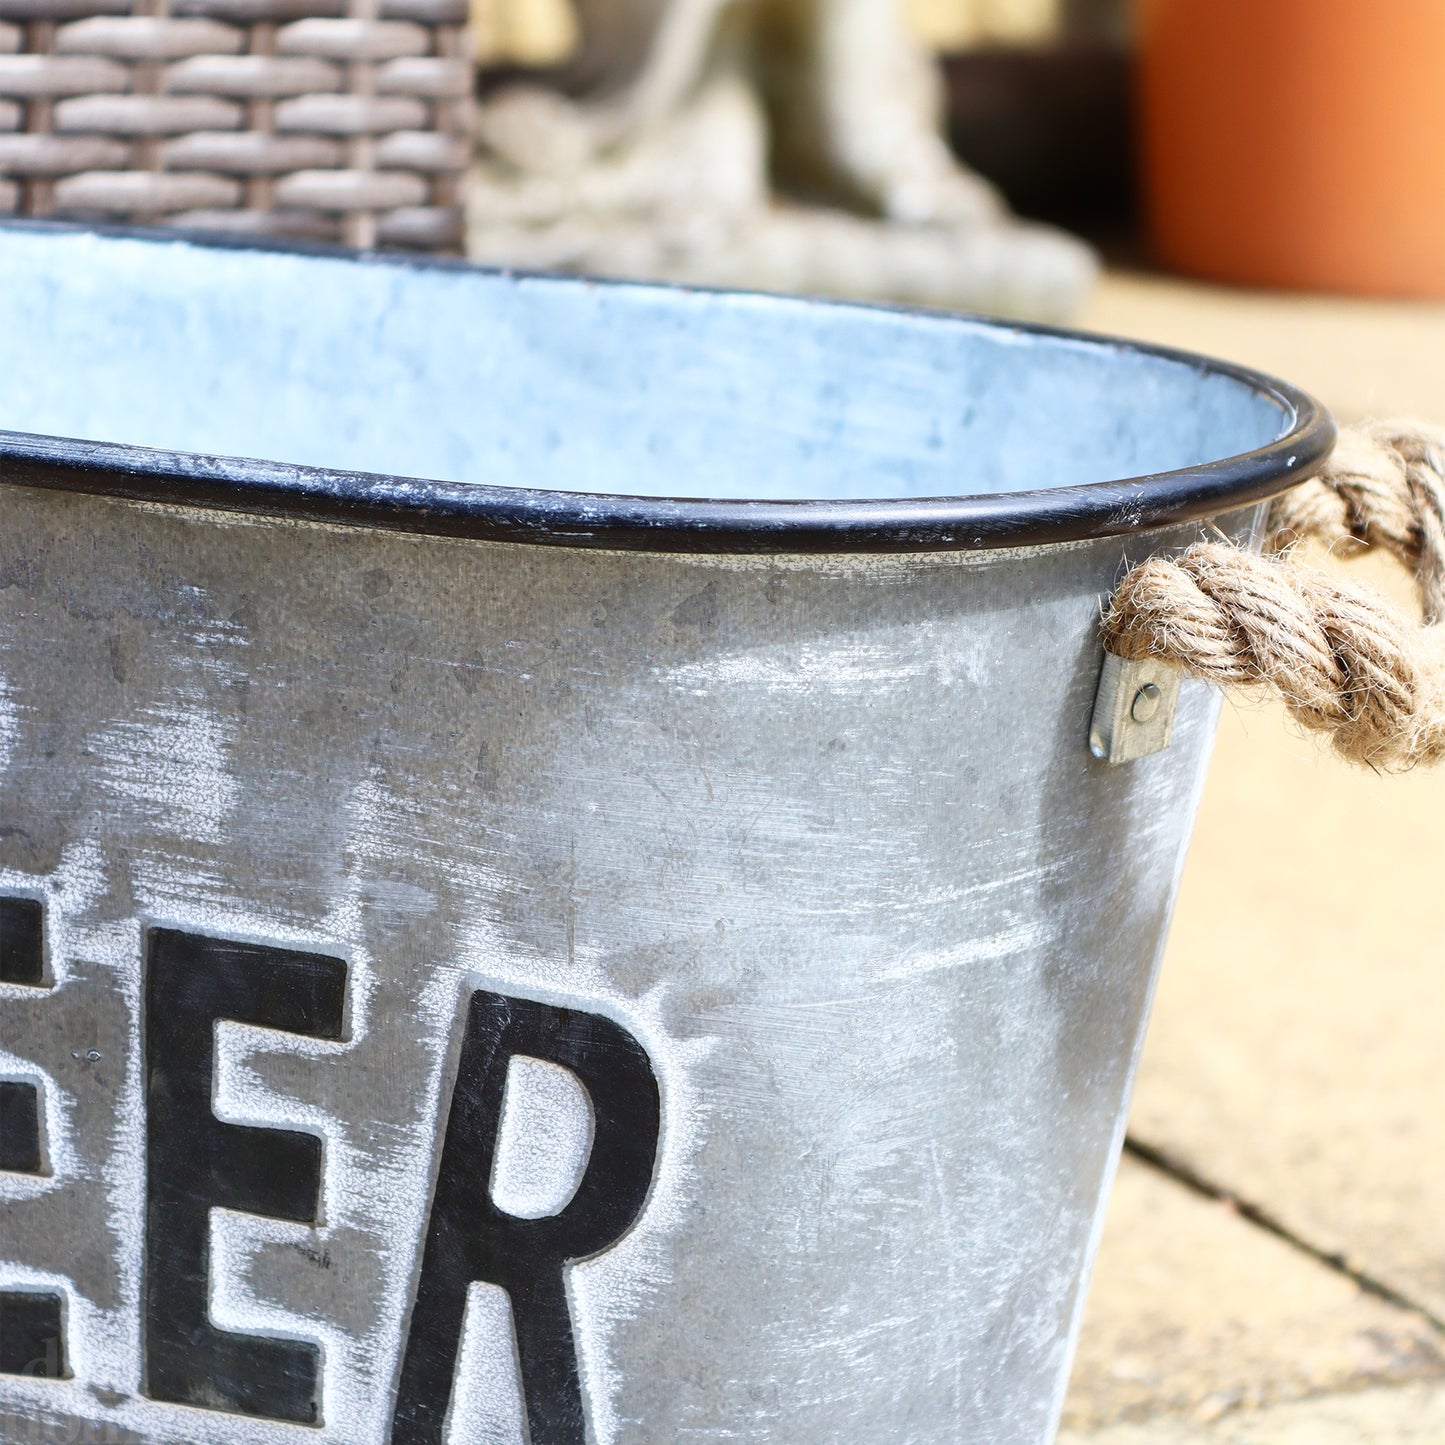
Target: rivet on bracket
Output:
[(1133, 708)]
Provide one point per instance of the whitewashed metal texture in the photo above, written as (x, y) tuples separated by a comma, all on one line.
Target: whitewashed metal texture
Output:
[(827, 838), (531, 382), (822, 832)]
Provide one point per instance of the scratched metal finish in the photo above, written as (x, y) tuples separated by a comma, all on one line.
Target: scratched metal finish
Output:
[(710, 984), (823, 834)]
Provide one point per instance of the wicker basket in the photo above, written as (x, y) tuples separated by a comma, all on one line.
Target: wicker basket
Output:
[(341, 120)]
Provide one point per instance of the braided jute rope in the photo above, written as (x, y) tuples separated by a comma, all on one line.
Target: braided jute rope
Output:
[(1344, 661)]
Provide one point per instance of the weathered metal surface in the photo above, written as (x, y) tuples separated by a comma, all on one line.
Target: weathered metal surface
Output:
[(828, 842), (585, 414), (664, 996)]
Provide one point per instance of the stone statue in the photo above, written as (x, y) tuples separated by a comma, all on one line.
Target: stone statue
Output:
[(790, 145)]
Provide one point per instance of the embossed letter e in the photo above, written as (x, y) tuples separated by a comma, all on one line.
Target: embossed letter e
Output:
[(470, 1238), (194, 1162)]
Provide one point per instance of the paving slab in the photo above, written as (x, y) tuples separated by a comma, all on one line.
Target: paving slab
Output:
[(1361, 357), (1295, 1055), (1296, 1050), (1196, 1312), (1413, 1415)]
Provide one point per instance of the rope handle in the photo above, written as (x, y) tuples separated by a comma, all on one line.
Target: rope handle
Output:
[(1345, 662)]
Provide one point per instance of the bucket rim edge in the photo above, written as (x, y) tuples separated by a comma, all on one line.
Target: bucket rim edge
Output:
[(617, 522)]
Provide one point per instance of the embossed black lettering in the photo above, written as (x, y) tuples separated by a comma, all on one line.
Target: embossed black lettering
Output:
[(22, 942), (469, 1238), (19, 1128), (31, 1339), (194, 1162)]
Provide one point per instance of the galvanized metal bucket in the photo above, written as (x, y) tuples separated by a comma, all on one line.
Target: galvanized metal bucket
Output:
[(625, 941)]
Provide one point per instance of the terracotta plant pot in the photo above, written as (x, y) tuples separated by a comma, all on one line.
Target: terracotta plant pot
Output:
[(1297, 142)]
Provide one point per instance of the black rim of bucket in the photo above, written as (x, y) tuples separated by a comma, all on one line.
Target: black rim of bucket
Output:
[(589, 519)]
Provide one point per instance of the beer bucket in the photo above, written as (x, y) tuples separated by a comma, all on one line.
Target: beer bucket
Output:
[(624, 940)]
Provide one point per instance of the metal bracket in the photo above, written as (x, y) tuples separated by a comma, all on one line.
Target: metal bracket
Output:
[(1133, 708)]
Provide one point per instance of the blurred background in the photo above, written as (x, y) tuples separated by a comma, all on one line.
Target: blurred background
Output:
[(1286, 143)]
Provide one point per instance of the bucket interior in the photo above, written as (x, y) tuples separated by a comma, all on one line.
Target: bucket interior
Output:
[(466, 376)]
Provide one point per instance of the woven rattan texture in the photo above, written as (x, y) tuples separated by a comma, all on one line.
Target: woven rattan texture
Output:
[(340, 120)]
